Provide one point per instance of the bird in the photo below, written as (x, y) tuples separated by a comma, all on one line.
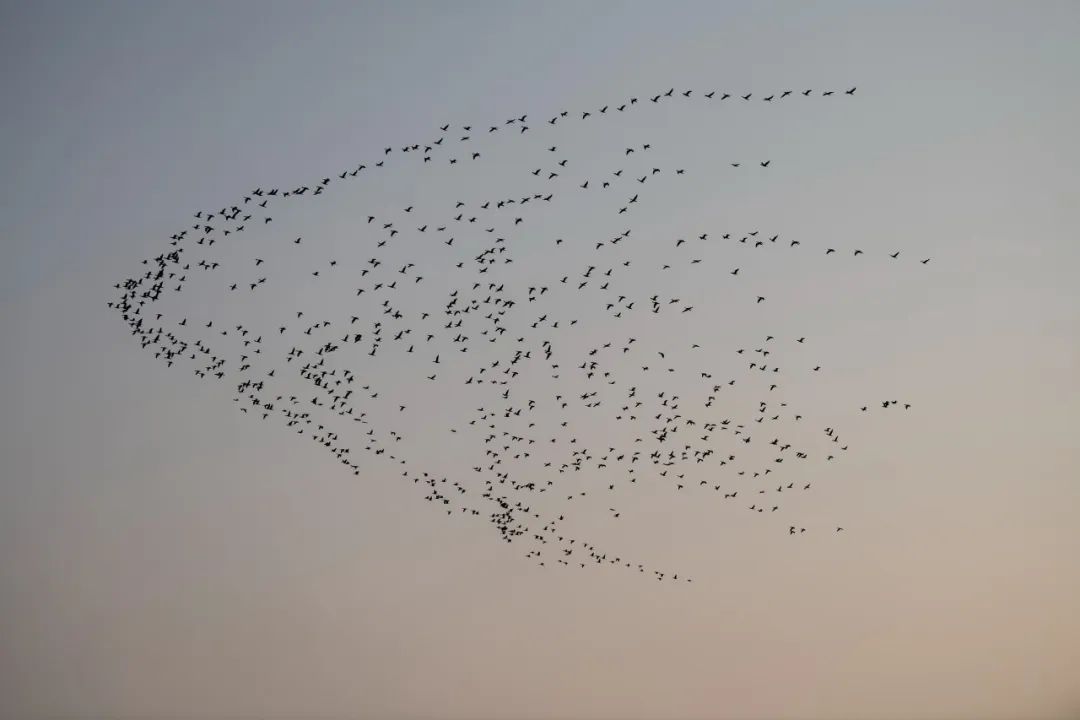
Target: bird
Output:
[(550, 373)]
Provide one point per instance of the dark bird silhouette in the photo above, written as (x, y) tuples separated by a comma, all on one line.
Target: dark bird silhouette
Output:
[(528, 392)]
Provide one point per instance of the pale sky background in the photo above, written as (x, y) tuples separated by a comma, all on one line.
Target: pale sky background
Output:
[(163, 556)]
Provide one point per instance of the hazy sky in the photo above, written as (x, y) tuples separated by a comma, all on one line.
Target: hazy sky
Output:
[(162, 555)]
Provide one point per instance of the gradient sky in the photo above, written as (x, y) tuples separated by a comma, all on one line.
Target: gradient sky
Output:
[(163, 556)]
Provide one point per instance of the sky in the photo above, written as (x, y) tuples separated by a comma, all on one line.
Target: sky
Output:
[(163, 555)]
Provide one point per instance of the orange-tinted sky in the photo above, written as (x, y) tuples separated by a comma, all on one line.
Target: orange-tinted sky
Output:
[(163, 556)]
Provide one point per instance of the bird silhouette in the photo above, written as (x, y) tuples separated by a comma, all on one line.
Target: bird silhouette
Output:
[(545, 352)]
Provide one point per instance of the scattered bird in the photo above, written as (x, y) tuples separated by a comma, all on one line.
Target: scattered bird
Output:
[(531, 383)]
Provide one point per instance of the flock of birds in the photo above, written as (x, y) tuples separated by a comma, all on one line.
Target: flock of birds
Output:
[(553, 395)]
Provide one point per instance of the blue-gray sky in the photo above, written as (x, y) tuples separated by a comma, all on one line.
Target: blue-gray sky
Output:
[(163, 556)]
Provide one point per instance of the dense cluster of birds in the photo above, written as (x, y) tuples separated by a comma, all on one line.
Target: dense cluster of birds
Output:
[(550, 398)]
